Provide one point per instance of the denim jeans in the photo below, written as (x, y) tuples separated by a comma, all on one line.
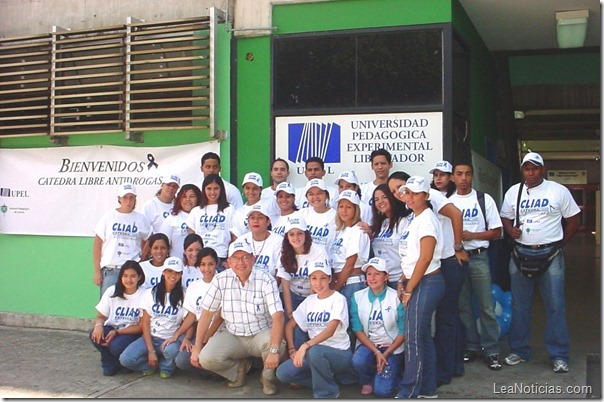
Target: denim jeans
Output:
[(551, 287), (321, 371), (110, 355), (348, 290), (449, 337), (183, 362), (364, 363), (478, 283), (135, 357), (299, 336), (419, 376), (110, 277)]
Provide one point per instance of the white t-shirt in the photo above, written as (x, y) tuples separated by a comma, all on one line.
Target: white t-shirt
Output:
[(156, 212), (120, 313), (152, 274), (189, 275), (367, 190), (438, 201), (175, 227), (281, 221), (366, 213), (385, 245), (301, 201), (266, 251), (122, 235), (348, 242), (165, 320), (313, 315), (473, 220), (299, 282), (322, 227), (426, 224), (213, 227), (195, 293), (541, 210)]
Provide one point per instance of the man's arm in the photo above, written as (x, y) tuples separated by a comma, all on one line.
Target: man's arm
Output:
[(572, 224)]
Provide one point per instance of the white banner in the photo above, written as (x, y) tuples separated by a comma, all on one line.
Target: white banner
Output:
[(345, 142), (65, 191)]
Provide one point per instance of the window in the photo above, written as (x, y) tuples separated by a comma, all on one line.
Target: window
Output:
[(359, 70)]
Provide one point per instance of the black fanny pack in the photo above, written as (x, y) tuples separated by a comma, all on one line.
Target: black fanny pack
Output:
[(533, 266)]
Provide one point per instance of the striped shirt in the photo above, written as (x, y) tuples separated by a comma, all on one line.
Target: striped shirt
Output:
[(246, 309)]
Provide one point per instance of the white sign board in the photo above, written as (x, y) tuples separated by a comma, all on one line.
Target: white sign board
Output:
[(568, 176), (345, 142), (65, 191)]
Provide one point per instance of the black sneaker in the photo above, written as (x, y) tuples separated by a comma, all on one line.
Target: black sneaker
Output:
[(470, 356), (493, 362)]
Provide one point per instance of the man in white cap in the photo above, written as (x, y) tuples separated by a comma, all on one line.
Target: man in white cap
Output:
[(119, 237), (534, 217), (253, 316)]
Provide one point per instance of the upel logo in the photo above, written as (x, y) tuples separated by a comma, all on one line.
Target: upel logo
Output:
[(307, 140)]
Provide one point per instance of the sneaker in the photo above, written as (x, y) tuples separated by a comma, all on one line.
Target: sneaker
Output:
[(427, 396), (244, 367), (560, 366), (164, 375), (149, 372), (366, 389), (470, 356), (493, 362), (513, 359), (108, 372), (268, 386)]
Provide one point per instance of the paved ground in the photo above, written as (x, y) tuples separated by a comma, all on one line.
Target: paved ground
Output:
[(39, 363)]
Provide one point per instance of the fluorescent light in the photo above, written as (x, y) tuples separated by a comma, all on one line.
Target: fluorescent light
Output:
[(571, 28)]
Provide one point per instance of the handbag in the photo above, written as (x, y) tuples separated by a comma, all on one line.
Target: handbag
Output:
[(533, 266)]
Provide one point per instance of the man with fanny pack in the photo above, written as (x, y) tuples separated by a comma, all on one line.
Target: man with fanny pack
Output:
[(532, 214), (481, 224)]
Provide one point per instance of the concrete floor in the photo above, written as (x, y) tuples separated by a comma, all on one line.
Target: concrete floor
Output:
[(41, 363)]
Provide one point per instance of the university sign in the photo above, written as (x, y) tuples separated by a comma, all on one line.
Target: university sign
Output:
[(345, 142)]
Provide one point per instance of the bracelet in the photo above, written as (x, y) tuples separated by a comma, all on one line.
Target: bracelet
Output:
[(407, 293), (152, 352), (117, 331), (186, 339), (98, 325), (307, 344), (291, 349)]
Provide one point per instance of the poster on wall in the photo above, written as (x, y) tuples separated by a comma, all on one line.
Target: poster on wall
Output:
[(65, 191), (345, 142)]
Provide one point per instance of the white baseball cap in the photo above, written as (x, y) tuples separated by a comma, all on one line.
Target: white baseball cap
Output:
[(173, 263), (239, 244), (319, 265), (285, 186), (126, 188), (534, 158), (315, 183), (443, 166), (295, 221), (416, 184), (252, 177), (377, 263), (349, 195), (258, 207), (349, 176), (170, 178)]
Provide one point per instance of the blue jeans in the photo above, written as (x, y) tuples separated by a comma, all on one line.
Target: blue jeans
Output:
[(299, 336), (478, 283), (364, 363), (321, 371), (348, 290), (419, 376), (551, 287), (135, 357), (183, 362), (449, 337), (110, 355), (110, 277)]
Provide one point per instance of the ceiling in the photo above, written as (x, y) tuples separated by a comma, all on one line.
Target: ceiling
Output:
[(562, 121)]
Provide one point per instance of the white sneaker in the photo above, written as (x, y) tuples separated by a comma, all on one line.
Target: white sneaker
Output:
[(513, 359), (560, 366)]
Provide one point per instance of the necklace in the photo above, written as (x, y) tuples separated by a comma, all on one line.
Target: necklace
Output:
[(256, 254)]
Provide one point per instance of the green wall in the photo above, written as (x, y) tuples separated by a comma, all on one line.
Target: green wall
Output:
[(571, 68), (52, 275)]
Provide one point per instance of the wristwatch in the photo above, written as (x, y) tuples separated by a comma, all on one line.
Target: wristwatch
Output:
[(274, 350), (458, 246)]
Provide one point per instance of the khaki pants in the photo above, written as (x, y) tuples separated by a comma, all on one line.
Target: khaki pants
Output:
[(224, 351)]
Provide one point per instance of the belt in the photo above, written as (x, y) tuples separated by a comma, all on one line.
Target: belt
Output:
[(476, 251), (433, 272), (537, 246), (355, 279), (111, 267)]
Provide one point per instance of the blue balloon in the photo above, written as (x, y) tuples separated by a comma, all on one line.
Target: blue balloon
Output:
[(497, 294), (504, 324), (507, 299)]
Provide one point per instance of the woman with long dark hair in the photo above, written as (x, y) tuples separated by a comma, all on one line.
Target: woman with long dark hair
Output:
[(188, 197)]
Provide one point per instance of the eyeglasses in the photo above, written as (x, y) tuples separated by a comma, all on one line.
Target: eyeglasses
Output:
[(235, 260)]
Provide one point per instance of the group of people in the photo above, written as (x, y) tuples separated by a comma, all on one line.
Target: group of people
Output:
[(327, 284)]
